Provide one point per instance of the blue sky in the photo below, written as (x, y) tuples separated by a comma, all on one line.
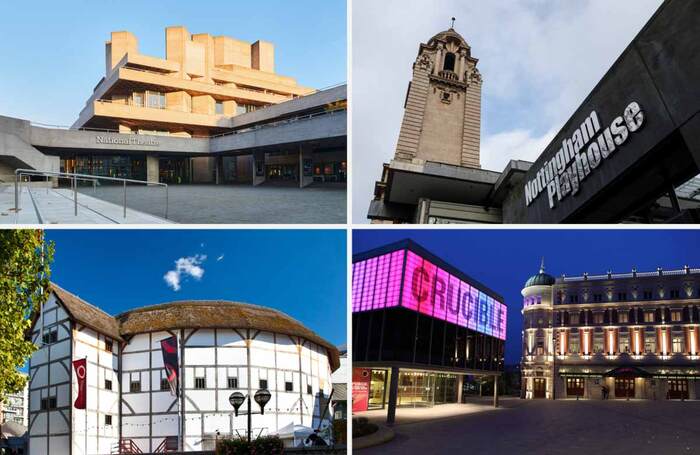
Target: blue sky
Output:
[(53, 52), (299, 272), (504, 259)]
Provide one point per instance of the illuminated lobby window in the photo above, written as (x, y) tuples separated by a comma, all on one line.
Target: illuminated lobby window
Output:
[(676, 315)]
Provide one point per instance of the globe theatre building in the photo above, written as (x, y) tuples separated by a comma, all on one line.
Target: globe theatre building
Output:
[(223, 347), (620, 335)]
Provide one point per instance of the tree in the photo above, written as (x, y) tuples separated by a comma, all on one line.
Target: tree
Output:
[(25, 260)]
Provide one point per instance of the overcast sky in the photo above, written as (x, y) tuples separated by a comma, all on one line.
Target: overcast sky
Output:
[(539, 60)]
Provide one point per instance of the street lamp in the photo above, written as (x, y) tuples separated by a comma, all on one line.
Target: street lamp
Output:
[(262, 397)]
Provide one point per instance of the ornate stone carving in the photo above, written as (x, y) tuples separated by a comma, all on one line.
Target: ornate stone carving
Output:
[(424, 62), (474, 76)]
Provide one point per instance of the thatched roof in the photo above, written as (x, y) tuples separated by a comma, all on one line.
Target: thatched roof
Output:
[(87, 314), (189, 314)]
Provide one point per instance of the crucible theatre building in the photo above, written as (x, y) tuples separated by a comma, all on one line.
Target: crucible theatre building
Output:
[(98, 384), (619, 335), (629, 153), (420, 327), (212, 111)]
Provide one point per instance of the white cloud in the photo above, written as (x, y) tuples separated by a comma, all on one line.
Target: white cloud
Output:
[(220, 258), (185, 267), (539, 60)]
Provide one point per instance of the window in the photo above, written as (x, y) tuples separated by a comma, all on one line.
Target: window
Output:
[(164, 384), (48, 403), (135, 386), (573, 318), (449, 62), (288, 386), (621, 296), (108, 384), (50, 336), (650, 343), (677, 345), (573, 299), (138, 99), (598, 343), (156, 100), (676, 315), (200, 383), (108, 345), (597, 297), (648, 316), (597, 318), (263, 383), (108, 420), (540, 348), (624, 343), (309, 389), (648, 295), (219, 108), (232, 383), (623, 317), (675, 293), (573, 346)]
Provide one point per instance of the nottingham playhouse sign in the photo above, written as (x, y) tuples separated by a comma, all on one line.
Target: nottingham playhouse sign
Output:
[(405, 279), (581, 154), (131, 140)]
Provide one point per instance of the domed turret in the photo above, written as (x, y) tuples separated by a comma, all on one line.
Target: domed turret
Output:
[(541, 279)]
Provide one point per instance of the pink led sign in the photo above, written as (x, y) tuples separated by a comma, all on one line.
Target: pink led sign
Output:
[(377, 283)]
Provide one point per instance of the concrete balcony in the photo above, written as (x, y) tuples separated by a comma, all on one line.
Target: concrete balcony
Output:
[(110, 109)]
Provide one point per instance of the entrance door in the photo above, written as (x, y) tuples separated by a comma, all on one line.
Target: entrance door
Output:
[(377, 387), (624, 387), (574, 387), (677, 389), (540, 387)]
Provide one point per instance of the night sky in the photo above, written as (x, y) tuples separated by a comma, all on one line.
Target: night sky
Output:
[(503, 259)]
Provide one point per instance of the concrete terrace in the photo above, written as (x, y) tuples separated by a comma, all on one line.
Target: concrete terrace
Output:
[(41, 205), (543, 427)]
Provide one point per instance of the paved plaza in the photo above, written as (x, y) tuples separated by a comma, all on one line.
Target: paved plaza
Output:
[(548, 427), (205, 204)]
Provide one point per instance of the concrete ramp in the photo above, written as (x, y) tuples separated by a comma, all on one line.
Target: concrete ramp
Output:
[(17, 152)]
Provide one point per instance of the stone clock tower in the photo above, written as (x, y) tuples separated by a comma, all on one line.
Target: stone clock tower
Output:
[(442, 117)]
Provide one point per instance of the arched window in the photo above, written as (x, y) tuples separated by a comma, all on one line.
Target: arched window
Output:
[(449, 62)]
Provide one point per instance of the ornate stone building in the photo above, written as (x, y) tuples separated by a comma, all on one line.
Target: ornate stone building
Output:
[(614, 335)]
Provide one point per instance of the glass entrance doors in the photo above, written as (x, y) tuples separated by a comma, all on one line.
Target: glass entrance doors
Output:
[(286, 172), (419, 389), (574, 387), (540, 386), (677, 389), (174, 170), (377, 389), (624, 387)]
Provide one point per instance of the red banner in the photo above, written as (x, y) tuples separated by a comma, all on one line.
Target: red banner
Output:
[(360, 388), (168, 348), (81, 373)]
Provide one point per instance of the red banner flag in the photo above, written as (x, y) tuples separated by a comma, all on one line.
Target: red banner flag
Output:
[(168, 347), (81, 373)]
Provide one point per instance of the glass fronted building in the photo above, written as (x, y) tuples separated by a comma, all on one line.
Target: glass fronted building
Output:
[(420, 328)]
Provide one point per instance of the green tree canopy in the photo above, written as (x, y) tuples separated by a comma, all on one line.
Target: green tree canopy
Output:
[(25, 260)]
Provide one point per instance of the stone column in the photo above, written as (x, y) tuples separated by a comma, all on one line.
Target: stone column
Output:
[(393, 396), (460, 385), (152, 168), (438, 61), (460, 67), (495, 391), (258, 157)]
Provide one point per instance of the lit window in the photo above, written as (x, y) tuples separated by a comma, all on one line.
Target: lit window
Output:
[(677, 345), (676, 315), (648, 316), (573, 318), (623, 317), (597, 318), (200, 383), (573, 346), (650, 343)]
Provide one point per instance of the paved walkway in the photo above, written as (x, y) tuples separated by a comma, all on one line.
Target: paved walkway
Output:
[(56, 206), (265, 204), (555, 427)]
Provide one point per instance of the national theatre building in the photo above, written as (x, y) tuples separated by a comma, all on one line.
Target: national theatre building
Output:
[(629, 153), (624, 335), (214, 110)]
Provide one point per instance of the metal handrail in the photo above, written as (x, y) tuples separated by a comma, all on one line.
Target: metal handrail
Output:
[(74, 177)]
